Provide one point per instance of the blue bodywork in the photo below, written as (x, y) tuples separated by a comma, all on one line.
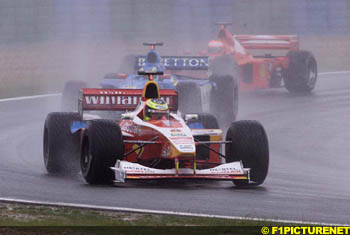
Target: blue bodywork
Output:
[(195, 125), (77, 126), (134, 81), (152, 63)]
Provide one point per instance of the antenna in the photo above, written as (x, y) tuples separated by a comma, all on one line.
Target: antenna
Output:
[(153, 44)]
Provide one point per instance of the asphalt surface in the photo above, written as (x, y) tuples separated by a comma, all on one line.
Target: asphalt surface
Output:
[(308, 178)]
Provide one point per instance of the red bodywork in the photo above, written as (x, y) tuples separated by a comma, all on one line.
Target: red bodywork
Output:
[(261, 59)]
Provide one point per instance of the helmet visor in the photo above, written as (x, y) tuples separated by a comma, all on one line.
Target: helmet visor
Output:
[(155, 114)]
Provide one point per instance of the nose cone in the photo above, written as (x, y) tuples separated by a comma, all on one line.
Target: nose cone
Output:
[(181, 141), (187, 150)]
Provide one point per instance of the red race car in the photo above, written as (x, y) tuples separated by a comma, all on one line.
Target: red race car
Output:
[(151, 140), (263, 61)]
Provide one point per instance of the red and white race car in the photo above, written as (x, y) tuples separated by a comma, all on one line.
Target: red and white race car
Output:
[(264, 61), (149, 144)]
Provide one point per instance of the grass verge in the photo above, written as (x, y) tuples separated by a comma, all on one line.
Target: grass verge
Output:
[(32, 215), (33, 219)]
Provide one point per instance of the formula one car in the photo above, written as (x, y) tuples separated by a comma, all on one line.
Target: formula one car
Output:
[(186, 74), (151, 140), (258, 67)]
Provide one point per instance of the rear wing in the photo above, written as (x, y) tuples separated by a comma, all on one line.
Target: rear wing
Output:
[(119, 99), (178, 62), (287, 42)]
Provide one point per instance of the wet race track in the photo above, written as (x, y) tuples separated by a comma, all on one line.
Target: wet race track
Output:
[(308, 178)]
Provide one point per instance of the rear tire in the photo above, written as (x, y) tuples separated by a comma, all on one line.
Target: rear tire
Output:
[(301, 74), (102, 147), (224, 99), (61, 148), (70, 95), (249, 145), (189, 95)]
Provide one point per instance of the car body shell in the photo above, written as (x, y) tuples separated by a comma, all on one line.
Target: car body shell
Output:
[(160, 149)]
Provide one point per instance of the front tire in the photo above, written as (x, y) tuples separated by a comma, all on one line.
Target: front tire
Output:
[(249, 145), (61, 148), (102, 147)]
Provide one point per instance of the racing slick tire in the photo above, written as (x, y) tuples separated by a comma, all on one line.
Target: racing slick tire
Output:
[(61, 148), (301, 74), (102, 146), (224, 99), (189, 97), (207, 120), (70, 95), (249, 145)]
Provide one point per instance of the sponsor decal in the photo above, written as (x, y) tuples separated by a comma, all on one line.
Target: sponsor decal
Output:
[(178, 62), (135, 169), (161, 107), (118, 100), (226, 170), (136, 130), (113, 100), (178, 134), (189, 147), (182, 140)]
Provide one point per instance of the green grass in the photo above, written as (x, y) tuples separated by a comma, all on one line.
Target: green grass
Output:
[(33, 219), (27, 215)]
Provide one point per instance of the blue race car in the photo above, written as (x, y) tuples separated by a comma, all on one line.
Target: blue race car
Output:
[(186, 74)]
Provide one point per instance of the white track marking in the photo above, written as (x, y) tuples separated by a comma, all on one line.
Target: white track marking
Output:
[(335, 72), (146, 211), (58, 94), (29, 97)]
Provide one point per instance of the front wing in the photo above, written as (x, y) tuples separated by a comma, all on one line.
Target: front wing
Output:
[(125, 170)]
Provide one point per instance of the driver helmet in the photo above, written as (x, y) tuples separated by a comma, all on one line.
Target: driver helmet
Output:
[(156, 109)]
